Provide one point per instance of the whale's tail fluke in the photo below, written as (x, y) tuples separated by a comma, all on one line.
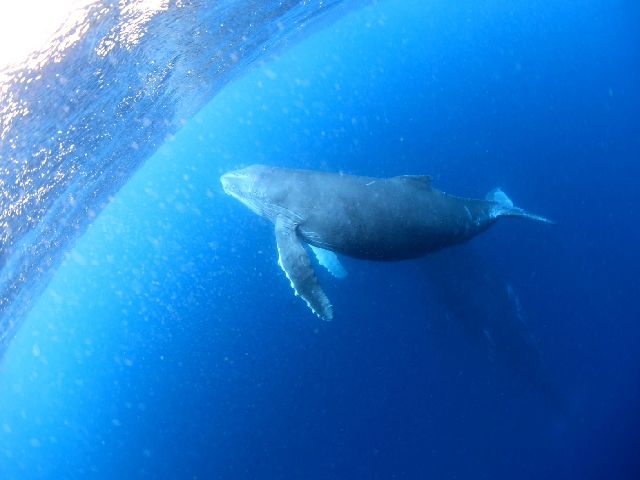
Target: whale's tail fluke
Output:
[(504, 207)]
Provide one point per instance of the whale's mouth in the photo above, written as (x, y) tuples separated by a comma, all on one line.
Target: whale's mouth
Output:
[(230, 182), (237, 183), (240, 185)]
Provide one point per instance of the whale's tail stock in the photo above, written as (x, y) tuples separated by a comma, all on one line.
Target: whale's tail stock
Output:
[(504, 207)]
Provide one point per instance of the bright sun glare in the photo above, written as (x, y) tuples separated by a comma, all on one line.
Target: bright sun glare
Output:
[(27, 25)]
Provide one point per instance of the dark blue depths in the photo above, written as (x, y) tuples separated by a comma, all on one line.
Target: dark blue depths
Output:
[(170, 345)]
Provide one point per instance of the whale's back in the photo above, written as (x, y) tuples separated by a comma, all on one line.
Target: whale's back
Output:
[(374, 218)]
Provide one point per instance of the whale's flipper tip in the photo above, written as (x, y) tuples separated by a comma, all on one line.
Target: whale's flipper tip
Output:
[(504, 208), (295, 262)]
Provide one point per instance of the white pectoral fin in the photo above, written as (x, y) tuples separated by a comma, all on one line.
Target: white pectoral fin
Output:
[(294, 260), (330, 261)]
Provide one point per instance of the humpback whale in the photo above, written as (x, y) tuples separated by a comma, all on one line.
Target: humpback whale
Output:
[(370, 218)]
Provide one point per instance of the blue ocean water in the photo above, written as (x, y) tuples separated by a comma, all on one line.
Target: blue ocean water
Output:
[(168, 343)]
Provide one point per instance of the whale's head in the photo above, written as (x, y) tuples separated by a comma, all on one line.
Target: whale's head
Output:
[(251, 186)]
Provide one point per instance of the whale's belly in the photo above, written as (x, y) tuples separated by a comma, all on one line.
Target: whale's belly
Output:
[(387, 228)]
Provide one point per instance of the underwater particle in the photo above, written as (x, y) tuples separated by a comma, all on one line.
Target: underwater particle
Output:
[(35, 350), (34, 442), (270, 74)]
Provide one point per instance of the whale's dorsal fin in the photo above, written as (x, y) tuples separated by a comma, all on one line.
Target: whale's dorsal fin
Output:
[(418, 181), (294, 260), (329, 260)]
